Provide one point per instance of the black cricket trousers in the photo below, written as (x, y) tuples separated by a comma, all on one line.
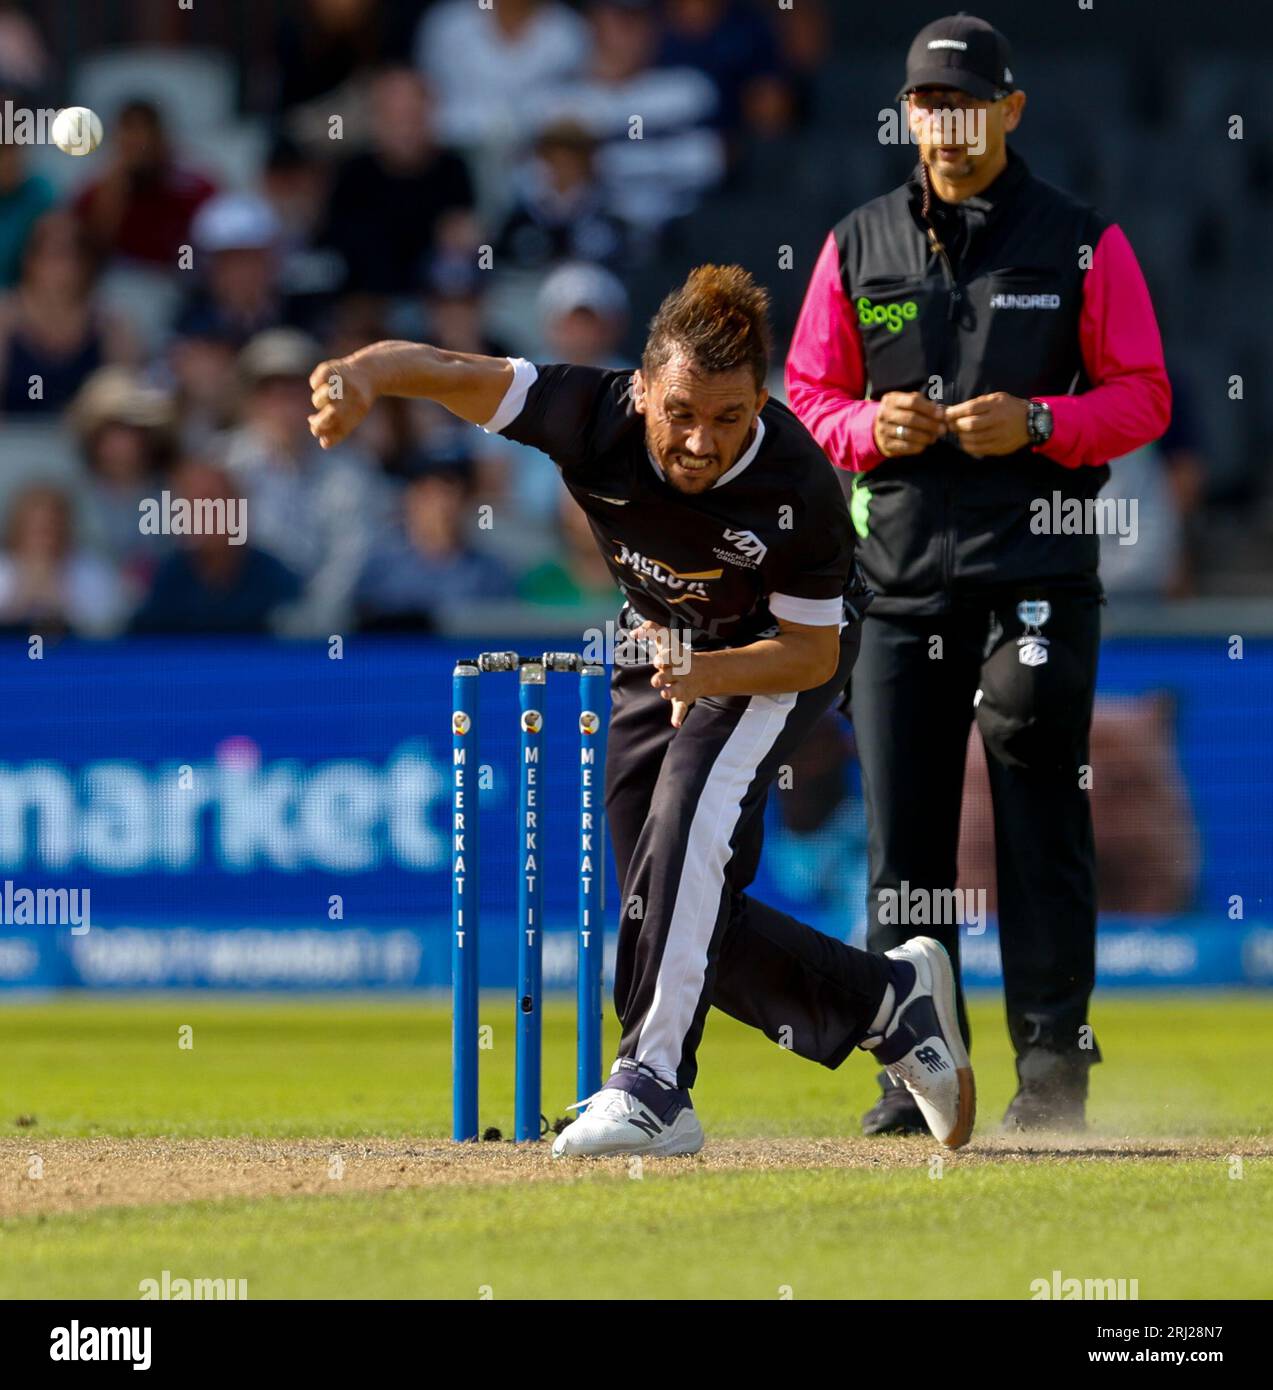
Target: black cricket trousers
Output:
[(686, 814), (912, 707)]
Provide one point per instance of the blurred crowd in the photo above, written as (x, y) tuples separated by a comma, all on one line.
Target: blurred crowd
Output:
[(465, 175), (455, 173)]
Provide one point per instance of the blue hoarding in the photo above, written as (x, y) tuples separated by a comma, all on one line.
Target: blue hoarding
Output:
[(270, 815)]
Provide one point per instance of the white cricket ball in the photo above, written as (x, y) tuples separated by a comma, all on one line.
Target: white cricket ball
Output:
[(77, 130)]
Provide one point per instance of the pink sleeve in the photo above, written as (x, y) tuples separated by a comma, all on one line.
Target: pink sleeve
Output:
[(826, 372), (1129, 402)]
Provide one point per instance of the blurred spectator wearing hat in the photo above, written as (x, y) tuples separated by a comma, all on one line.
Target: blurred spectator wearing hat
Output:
[(489, 66), (142, 208), (236, 243), (584, 314), (430, 563), (48, 583), (24, 198), (126, 431), (52, 334), (210, 583), (680, 153), (558, 211), (393, 206), (583, 317), (317, 511)]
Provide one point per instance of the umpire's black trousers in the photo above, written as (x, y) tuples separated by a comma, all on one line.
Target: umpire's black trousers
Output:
[(913, 703), (686, 815)]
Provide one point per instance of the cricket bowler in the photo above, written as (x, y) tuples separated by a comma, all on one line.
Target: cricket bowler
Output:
[(722, 522)]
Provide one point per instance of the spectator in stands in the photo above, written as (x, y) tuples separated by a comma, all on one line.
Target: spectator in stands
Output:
[(736, 46), (1188, 465), (1142, 559), (577, 573), (141, 209), (210, 584), (236, 240), (679, 155), (317, 511), (490, 67), (558, 211), (430, 563), (454, 309), (48, 584), (805, 38), (395, 205), (583, 314), (24, 62), (126, 435), (584, 311), (24, 199), (202, 365), (1166, 483), (296, 188), (52, 335)]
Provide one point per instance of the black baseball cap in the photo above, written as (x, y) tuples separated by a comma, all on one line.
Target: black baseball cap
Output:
[(963, 52)]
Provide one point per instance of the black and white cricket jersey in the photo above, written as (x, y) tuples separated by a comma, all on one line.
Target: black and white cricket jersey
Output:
[(770, 539)]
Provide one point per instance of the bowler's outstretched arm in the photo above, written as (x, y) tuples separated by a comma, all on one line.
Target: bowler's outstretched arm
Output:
[(345, 388)]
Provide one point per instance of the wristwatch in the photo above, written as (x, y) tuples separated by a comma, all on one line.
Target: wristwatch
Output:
[(1038, 422)]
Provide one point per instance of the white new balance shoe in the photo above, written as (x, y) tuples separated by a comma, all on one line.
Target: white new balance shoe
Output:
[(921, 1046), (632, 1114)]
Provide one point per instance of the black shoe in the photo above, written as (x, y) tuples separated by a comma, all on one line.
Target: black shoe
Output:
[(895, 1112), (1051, 1092)]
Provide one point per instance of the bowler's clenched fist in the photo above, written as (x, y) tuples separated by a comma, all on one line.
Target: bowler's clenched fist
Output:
[(342, 396)]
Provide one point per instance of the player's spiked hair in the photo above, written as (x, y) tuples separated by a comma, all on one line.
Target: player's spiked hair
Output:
[(719, 318)]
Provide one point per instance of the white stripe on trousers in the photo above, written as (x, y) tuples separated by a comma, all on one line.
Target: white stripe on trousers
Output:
[(683, 966)]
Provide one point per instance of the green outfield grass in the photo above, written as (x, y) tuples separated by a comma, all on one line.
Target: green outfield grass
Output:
[(1196, 1068)]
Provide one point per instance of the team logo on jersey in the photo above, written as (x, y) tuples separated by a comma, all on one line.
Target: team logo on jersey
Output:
[(532, 721), (460, 723), (691, 584), (751, 550)]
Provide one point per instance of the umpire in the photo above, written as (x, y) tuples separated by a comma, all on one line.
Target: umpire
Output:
[(974, 347)]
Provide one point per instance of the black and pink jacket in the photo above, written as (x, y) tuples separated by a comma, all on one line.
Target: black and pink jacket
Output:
[(1034, 294)]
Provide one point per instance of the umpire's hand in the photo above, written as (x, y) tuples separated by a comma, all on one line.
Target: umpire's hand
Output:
[(907, 422), (987, 426)]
